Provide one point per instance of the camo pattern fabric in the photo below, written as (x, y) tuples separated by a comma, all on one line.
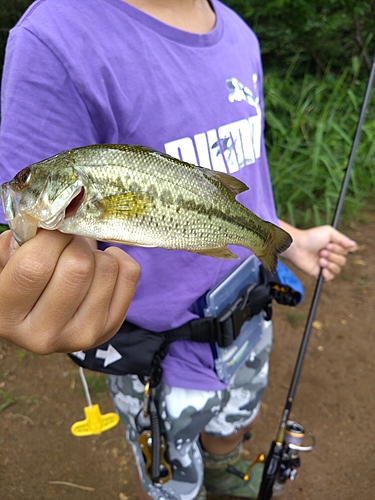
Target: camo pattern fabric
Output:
[(185, 413)]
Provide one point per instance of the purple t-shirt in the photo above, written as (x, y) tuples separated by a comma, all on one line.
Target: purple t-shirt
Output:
[(80, 72)]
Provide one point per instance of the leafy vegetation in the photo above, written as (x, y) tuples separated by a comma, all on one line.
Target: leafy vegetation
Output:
[(310, 129), (317, 57), (311, 36)]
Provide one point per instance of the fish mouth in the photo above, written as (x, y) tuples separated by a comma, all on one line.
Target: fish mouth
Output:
[(75, 204), (23, 226), (7, 200)]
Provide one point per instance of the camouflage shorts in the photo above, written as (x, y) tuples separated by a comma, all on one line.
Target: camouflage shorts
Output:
[(185, 413)]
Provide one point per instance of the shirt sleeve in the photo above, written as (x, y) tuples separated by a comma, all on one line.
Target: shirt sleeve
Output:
[(43, 112)]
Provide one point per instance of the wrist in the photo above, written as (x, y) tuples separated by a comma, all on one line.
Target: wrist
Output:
[(296, 235)]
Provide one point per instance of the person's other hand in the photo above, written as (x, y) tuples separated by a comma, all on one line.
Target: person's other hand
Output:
[(319, 247)]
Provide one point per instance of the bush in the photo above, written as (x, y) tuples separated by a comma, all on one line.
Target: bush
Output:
[(311, 35)]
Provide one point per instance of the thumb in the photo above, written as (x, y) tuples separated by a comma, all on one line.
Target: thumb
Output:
[(8, 246), (342, 239)]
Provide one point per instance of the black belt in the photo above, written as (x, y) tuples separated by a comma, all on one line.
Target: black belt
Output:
[(137, 350), (226, 327)]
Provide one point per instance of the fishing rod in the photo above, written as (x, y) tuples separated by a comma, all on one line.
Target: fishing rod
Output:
[(282, 460)]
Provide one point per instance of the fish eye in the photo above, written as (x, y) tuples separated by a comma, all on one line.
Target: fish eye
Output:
[(23, 177)]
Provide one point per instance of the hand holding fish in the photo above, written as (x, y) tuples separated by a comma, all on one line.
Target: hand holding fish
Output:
[(58, 294), (319, 247)]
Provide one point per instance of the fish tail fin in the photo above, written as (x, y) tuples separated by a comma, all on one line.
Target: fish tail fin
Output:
[(277, 242)]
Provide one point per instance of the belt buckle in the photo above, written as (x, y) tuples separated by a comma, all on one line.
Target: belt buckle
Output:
[(233, 317)]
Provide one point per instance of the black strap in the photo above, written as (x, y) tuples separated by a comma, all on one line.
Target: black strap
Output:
[(156, 371), (197, 330), (226, 327), (138, 351)]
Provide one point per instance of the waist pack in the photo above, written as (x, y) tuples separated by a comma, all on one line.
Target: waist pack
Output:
[(134, 350)]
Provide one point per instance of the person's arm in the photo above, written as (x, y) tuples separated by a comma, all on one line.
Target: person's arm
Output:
[(319, 247), (57, 292), (69, 298)]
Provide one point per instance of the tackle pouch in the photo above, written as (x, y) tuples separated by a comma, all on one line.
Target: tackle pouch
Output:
[(226, 298), (245, 295), (131, 350)]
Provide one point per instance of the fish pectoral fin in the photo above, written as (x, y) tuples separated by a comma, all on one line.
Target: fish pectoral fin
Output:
[(218, 253), (123, 205)]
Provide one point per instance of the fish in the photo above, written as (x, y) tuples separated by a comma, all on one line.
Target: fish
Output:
[(138, 196)]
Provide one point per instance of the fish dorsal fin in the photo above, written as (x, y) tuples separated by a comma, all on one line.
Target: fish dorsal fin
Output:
[(124, 205), (234, 185)]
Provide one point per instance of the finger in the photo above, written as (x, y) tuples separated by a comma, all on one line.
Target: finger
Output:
[(330, 269), (128, 275), (88, 326), (7, 248), (333, 257), (338, 249), (342, 240), (108, 299), (27, 273), (59, 301), (327, 274)]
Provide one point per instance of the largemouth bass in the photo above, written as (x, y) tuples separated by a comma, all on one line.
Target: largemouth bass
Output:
[(138, 196)]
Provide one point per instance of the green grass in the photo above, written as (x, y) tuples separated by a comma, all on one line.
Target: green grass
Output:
[(6, 400), (294, 317), (310, 129), (23, 354), (97, 382)]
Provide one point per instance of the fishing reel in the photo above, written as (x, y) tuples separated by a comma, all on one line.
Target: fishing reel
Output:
[(290, 460)]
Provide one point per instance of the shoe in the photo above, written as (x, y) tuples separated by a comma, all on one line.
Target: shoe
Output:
[(232, 475), (201, 493)]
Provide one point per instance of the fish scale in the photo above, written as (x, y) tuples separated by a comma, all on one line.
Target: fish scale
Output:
[(138, 196)]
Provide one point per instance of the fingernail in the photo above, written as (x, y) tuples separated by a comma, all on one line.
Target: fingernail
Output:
[(14, 246), (354, 248)]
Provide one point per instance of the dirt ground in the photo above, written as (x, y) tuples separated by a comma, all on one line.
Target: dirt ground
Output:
[(41, 397)]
